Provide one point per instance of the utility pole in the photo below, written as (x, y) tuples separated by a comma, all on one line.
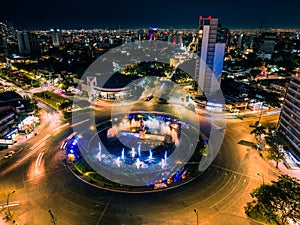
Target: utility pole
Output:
[(7, 204), (262, 176), (52, 217), (196, 212)]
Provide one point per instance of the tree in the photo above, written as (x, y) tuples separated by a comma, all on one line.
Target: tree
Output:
[(258, 131), (279, 201), (274, 140), (288, 199)]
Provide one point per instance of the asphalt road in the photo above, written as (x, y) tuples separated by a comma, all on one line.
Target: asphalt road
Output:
[(42, 182)]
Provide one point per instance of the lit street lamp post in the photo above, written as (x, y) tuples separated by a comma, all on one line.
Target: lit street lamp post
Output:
[(7, 203), (262, 176), (260, 114), (52, 217), (196, 211)]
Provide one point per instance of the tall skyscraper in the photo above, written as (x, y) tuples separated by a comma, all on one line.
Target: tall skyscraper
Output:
[(211, 50), (6, 35), (57, 37), (152, 32), (289, 121), (28, 43), (267, 42), (2, 37)]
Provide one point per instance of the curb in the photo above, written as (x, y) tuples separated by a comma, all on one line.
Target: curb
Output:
[(97, 185)]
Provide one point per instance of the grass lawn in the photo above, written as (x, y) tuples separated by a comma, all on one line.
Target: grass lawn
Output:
[(259, 214), (50, 98)]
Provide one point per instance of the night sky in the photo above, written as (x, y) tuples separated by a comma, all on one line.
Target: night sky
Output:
[(77, 14)]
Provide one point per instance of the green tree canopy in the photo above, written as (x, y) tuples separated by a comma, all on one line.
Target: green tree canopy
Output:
[(275, 140), (279, 201)]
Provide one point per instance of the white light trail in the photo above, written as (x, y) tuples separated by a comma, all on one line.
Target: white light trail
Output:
[(39, 159)]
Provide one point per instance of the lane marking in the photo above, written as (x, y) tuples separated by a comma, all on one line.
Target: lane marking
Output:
[(100, 218)]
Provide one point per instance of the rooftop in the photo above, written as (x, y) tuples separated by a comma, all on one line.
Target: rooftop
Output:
[(9, 96)]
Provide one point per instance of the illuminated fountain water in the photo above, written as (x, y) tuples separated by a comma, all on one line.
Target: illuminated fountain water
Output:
[(118, 162), (139, 150), (150, 158), (138, 163), (150, 155), (99, 156), (123, 154), (133, 152), (124, 151), (163, 163)]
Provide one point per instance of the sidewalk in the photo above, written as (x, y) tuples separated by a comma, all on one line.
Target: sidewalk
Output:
[(282, 168)]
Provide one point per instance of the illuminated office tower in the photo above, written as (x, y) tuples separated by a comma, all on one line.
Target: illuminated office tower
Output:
[(140, 35), (289, 121), (180, 41), (210, 49), (2, 37), (57, 37), (28, 43), (152, 32), (6, 36)]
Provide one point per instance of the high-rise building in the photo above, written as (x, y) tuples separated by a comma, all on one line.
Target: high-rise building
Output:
[(152, 32), (2, 37), (211, 50), (240, 42), (140, 35), (289, 121), (57, 37), (6, 35), (28, 43), (267, 42), (179, 39)]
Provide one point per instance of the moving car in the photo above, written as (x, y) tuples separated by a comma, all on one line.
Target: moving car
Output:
[(9, 154), (149, 97)]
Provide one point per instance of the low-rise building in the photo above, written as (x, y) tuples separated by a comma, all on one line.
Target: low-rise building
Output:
[(8, 123)]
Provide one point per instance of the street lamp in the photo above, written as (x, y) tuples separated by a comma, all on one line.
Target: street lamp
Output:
[(7, 203), (196, 212), (52, 217), (262, 176)]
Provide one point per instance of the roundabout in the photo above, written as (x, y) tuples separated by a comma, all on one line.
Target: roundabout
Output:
[(143, 151)]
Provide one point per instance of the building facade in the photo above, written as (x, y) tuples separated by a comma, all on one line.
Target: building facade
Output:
[(289, 122), (57, 37), (28, 43), (210, 51), (267, 43)]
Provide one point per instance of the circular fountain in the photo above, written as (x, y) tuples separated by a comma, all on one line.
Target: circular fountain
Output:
[(141, 148)]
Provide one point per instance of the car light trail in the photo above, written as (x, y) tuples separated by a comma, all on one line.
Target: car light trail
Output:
[(81, 122), (4, 205), (62, 126), (39, 159), (35, 148)]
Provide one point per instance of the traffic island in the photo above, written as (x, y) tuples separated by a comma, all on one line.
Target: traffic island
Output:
[(148, 153)]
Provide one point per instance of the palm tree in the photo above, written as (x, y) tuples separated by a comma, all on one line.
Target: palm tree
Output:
[(258, 131)]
